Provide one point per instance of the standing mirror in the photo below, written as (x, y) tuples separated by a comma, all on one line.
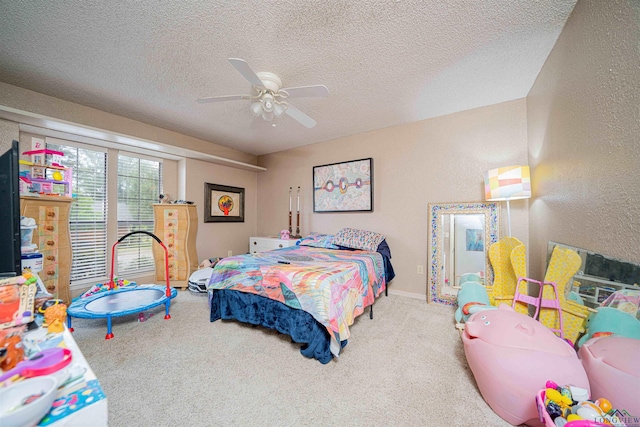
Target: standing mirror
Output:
[(459, 239)]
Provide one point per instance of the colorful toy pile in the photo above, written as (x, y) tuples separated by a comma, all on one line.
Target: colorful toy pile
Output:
[(17, 298), (106, 286), (569, 406)]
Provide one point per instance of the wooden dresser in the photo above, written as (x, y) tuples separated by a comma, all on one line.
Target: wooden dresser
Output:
[(176, 226), (52, 236)]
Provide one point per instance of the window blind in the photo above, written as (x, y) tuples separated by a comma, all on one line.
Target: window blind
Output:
[(88, 216), (139, 185)]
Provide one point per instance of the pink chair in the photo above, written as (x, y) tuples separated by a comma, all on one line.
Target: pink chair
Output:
[(552, 309), (538, 302)]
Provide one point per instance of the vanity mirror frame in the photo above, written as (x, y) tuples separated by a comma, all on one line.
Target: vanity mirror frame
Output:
[(491, 212)]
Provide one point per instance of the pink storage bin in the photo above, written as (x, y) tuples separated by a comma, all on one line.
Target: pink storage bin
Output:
[(511, 355), (613, 367)]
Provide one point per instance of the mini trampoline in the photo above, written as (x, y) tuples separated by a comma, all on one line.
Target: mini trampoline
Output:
[(123, 301)]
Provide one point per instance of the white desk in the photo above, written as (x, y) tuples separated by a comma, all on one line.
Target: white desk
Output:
[(81, 403)]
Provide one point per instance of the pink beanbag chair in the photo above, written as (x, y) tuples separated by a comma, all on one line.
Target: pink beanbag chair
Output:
[(613, 367), (512, 356)]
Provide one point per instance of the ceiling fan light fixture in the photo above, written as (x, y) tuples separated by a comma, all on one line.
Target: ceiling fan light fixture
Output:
[(267, 115), (268, 102), (256, 108), (279, 109)]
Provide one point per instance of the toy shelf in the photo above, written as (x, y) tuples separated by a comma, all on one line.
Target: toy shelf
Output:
[(28, 163)]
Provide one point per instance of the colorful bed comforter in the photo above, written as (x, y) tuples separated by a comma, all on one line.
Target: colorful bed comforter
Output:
[(333, 286)]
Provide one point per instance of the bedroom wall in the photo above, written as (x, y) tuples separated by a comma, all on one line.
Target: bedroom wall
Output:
[(583, 128), (215, 239), (436, 160), (8, 132)]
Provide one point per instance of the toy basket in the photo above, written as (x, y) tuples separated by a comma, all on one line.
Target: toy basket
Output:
[(542, 411), (548, 422)]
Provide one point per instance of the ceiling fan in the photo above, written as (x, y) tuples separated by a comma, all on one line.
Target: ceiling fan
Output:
[(271, 98)]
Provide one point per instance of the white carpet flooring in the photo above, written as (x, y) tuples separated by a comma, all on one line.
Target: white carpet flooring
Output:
[(406, 367)]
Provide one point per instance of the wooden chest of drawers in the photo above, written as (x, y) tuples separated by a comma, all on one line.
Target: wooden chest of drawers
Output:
[(176, 226), (260, 244), (53, 239)]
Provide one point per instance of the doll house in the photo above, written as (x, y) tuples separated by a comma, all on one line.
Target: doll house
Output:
[(43, 173)]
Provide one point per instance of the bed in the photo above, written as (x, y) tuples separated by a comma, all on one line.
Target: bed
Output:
[(312, 291)]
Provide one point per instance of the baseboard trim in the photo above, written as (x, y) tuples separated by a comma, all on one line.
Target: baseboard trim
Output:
[(407, 294)]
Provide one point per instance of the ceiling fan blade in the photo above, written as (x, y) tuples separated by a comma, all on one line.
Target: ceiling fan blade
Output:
[(244, 69), (300, 116), (306, 91), (222, 98)]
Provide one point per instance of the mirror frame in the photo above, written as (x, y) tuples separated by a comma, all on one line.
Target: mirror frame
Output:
[(491, 211)]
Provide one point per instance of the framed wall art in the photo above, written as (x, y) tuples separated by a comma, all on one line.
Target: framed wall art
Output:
[(474, 239), (223, 203), (343, 187)]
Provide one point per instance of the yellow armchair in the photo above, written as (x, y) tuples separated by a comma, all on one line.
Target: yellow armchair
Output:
[(505, 277), (563, 265)]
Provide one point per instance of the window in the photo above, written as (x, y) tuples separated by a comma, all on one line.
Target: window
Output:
[(139, 184), (88, 216), (92, 225)]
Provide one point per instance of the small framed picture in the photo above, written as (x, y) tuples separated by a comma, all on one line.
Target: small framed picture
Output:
[(223, 203), (474, 240)]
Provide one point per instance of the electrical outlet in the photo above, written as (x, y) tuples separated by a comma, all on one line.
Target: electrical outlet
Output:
[(229, 253), (421, 269)]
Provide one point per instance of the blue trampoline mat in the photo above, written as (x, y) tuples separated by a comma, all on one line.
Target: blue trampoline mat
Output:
[(120, 302)]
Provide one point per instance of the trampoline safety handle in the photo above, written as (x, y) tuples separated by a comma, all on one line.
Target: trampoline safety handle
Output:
[(139, 232), (166, 258)]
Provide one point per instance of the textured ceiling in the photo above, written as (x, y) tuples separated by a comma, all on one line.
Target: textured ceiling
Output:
[(385, 63)]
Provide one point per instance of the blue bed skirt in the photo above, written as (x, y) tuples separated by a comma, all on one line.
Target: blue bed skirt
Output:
[(258, 310)]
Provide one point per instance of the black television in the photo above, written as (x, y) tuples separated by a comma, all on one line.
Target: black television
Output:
[(10, 261)]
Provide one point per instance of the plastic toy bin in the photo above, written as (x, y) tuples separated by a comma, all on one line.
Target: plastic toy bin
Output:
[(542, 411), (548, 422), (33, 262), (26, 234)]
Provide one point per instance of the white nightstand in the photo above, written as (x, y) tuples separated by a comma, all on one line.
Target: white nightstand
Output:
[(261, 244)]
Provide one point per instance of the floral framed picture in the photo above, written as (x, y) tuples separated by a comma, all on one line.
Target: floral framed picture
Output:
[(343, 187), (223, 203)]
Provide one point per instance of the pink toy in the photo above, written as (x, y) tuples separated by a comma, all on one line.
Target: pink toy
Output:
[(511, 355), (613, 367)]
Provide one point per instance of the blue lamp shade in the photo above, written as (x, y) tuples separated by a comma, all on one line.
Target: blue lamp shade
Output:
[(507, 183)]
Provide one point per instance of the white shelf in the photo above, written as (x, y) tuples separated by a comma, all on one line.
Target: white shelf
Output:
[(601, 280), (603, 285)]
